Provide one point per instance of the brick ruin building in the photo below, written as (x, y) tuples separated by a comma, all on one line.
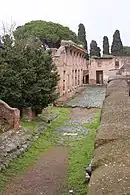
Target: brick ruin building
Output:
[(72, 67), (75, 70), (101, 68)]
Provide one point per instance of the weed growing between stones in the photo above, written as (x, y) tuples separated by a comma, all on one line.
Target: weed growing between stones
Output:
[(80, 157)]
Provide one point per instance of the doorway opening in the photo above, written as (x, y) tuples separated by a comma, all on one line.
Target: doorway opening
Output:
[(99, 77), (86, 79)]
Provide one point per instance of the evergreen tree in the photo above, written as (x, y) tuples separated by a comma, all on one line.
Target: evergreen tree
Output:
[(126, 50), (105, 45), (82, 37), (94, 49), (98, 52), (28, 77), (117, 46), (49, 33)]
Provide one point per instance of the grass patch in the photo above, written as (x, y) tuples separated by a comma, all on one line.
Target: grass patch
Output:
[(29, 125), (80, 156), (45, 142)]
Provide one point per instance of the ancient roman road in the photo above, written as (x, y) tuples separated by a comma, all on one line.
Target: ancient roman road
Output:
[(90, 97), (48, 174)]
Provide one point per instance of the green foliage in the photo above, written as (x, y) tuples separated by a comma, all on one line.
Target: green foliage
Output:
[(126, 51), (28, 78), (49, 33), (94, 49), (105, 45), (117, 46)]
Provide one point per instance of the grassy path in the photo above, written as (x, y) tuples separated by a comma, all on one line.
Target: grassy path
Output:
[(80, 157), (80, 153)]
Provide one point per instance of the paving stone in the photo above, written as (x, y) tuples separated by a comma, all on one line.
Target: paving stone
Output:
[(72, 129), (80, 120), (91, 97)]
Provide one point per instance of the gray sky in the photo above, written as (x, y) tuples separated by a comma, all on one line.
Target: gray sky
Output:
[(100, 17)]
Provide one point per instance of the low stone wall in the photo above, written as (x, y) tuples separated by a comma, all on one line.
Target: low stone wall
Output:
[(111, 161), (14, 143), (9, 116)]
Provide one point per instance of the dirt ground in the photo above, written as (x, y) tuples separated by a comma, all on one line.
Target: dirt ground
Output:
[(47, 177)]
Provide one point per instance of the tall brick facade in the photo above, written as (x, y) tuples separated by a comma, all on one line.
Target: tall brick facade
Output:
[(71, 65)]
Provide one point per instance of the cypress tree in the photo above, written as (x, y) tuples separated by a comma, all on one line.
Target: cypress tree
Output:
[(82, 37), (105, 45), (98, 52), (117, 46), (94, 49)]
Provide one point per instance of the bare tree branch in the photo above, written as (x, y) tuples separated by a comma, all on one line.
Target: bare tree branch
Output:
[(8, 28)]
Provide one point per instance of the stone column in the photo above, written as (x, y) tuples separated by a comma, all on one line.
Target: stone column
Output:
[(68, 82), (75, 77), (79, 77), (64, 81)]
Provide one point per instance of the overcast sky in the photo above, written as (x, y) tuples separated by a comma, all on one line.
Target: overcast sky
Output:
[(100, 17)]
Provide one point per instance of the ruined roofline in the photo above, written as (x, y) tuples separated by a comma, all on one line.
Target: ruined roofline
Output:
[(70, 43), (103, 57)]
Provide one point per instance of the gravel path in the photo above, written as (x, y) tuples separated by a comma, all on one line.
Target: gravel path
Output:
[(90, 97)]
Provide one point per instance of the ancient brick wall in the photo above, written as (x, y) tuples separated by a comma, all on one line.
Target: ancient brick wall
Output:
[(71, 66), (10, 117), (111, 160)]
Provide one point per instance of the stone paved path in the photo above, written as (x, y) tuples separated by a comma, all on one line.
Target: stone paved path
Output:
[(74, 129), (90, 97)]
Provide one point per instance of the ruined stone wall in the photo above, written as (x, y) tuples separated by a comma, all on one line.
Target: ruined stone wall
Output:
[(111, 162), (9, 116)]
